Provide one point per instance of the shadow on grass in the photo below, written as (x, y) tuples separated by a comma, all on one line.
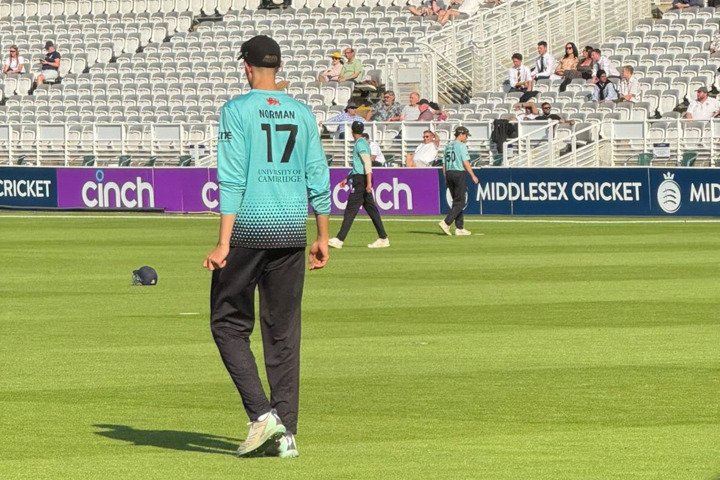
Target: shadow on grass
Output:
[(428, 232), (170, 439)]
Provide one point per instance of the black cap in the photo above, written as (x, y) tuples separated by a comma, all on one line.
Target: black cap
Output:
[(434, 106), (49, 44), (261, 51), (461, 130), (350, 105), (145, 276), (357, 127), (423, 101)]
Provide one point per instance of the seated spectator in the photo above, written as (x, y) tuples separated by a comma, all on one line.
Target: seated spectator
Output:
[(704, 108), (462, 9), (353, 68), (603, 63), (605, 90), (629, 87), (348, 116), (520, 78), (14, 63), (567, 63), (426, 152), (332, 73), (411, 112), (376, 155), (386, 110), (545, 63), (440, 116), (427, 8), (585, 65), (50, 69), (426, 114), (524, 111), (681, 4), (547, 115)]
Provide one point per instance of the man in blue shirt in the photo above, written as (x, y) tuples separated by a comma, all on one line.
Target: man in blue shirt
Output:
[(360, 181), (456, 161), (270, 162)]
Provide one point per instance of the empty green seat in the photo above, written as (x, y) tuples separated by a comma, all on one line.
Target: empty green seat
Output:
[(124, 161), (185, 160), (688, 159), (645, 159), (88, 160)]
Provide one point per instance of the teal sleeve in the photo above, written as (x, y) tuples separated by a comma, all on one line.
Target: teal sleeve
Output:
[(317, 173), (363, 147), (463, 153), (232, 162)]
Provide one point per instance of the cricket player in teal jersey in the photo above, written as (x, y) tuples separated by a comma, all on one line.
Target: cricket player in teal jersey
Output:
[(270, 163), (456, 161)]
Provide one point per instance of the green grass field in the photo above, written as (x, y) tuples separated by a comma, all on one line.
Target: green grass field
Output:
[(534, 351)]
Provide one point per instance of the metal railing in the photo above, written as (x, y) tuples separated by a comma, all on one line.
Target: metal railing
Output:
[(476, 51)]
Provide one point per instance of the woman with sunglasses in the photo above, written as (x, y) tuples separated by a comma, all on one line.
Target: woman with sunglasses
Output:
[(14, 63), (568, 62)]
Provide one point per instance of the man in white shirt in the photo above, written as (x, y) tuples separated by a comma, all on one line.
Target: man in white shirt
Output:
[(704, 108), (426, 152), (410, 113), (629, 87), (545, 63), (376, 155), (603, 63), (519, 75)]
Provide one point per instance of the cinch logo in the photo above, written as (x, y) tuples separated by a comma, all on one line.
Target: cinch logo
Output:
[(273, 101), (138, 194), (668, 194), (209, 195), (387, 196)]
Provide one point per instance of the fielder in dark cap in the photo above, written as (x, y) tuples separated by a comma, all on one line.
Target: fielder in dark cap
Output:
[(270, 163), (456, 161), (360, 181)]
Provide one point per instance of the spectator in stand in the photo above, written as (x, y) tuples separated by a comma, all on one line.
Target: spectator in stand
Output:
[(715, 43), (704, 108), (426, 152), (603, 63), (14, 63), (545, 63), (411, 112), (520, 78), (353, 68), (462, 9), (332, 73), (585, 65), (629, 87), (50, 65), (438, 113), (567, 63), (386, 110), (548, 115), (376, 155), (426, 114), (605, 90), (681, 4), (427, 8), (525, 111), (348, 116)]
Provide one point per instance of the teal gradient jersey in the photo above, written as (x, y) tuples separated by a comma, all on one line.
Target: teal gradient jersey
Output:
[(361, 146), (456, 152), (270, 163)]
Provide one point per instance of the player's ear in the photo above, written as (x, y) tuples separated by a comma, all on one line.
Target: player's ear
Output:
[(248, 72)]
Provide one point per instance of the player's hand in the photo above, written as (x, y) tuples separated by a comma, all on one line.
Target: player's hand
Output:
[(343, 183), (319, 254), (368, 189), (217, 258), (475, 179)]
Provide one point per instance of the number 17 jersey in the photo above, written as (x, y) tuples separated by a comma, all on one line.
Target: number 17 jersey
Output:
[(270, 163)]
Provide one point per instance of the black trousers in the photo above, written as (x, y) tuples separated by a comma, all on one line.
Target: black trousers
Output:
[(360, 198), (279, 275), (455, 182)]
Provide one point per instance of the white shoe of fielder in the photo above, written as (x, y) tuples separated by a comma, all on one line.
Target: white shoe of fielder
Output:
[(335, 243), (380, 243), (461, 231), (444, 227), (262, 434)]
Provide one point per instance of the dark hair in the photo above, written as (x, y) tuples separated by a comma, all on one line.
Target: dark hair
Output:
[(542, 43), (545, 103), (517, 55), (588, 49), (597, 50), (574, 50)]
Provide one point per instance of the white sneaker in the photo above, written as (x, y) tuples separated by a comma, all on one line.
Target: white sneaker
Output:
[(335, 243), (444, 227), (285, 447), (262, 434), (462, 231), (380, 243)]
